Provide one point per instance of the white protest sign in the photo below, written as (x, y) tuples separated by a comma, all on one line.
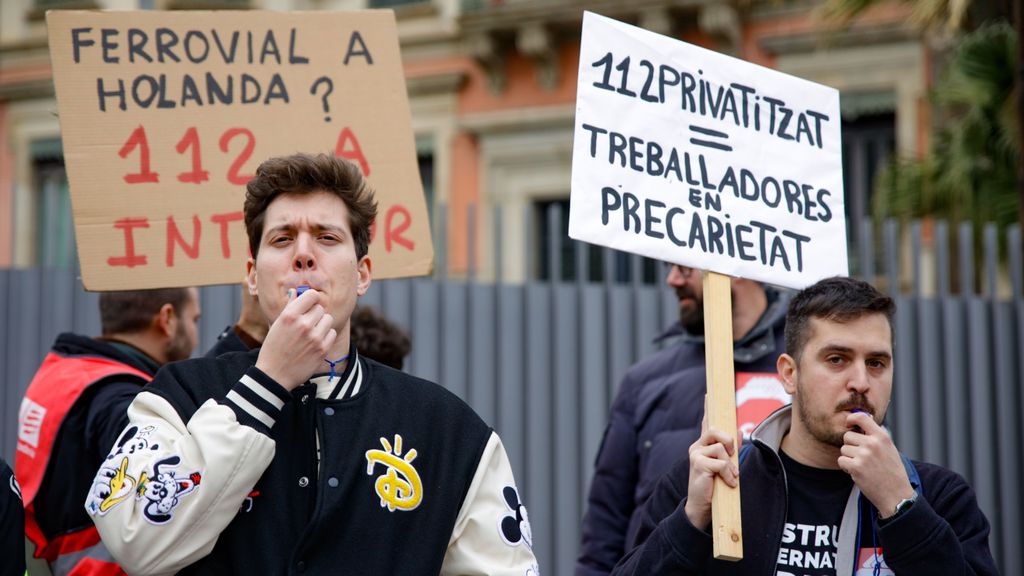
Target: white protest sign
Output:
[(691, 157)]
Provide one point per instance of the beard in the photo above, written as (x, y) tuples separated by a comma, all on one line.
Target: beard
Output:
[(691, 318), (818, 425), (179, 348)]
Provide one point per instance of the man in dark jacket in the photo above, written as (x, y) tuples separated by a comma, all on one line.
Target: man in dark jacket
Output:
[(656, 414), (76, 406), (825, 491)]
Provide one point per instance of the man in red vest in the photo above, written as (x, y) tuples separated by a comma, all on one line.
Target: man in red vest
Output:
[(76, 407)]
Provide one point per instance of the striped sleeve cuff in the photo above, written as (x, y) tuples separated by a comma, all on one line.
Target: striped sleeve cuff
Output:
[(256, 400)]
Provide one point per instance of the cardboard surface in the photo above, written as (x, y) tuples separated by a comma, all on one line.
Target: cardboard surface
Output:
[(165, 116), (695, 158)]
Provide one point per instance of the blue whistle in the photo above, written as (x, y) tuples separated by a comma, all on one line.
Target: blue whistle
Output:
[(300, 290)]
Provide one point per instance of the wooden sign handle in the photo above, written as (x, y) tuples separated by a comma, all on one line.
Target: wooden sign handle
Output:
[(726, 525)]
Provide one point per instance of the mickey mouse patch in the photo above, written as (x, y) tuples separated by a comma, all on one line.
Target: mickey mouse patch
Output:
[(515, 526)]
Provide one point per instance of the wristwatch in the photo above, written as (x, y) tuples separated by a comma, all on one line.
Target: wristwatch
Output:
[(901, 507)]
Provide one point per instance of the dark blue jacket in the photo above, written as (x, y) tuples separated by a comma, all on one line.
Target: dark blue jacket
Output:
[(943, 533), (654, 419)]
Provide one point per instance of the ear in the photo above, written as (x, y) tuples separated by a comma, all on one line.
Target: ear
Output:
[(250, 276), (787, 368), (166, 320), (364, 269)]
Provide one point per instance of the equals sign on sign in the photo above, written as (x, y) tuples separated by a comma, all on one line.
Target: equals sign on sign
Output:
[(712, 134)]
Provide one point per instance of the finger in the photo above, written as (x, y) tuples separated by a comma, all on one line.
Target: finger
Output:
[(714, 451), (723, 469), (845, 464), (864, 421), (716, 436)]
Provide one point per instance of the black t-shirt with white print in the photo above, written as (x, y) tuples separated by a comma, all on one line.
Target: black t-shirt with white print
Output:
[(817, 499)]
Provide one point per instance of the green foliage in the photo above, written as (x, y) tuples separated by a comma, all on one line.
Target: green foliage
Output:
[(970, 172)]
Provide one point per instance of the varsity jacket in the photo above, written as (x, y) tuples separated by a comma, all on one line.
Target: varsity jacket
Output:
[(72, 411), (221, 470), (12, 524), (942, 533), (655, 417)]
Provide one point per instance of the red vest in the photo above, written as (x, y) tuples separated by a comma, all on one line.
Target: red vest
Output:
[(57, 385)]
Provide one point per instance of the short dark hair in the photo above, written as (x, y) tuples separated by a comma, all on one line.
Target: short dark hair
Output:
[(304, 174), (377, 337), (132, 311), (837, 299)]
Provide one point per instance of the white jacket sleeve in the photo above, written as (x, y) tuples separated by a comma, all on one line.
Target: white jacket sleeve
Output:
[(168, 487), (492, 534)]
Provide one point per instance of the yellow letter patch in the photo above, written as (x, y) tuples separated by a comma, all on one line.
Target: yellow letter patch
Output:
[(400, 487)]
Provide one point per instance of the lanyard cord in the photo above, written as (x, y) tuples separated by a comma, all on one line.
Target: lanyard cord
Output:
[(877, 568), (333, 364)]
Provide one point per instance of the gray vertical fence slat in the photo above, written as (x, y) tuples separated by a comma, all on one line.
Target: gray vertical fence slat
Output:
[(482, 351), (594, 376), (1015, 258), (917, 281), (620, 335), (982, 437), (958, 423), (991, 261), (511, 379), (566, 357), (905, 397), (932, 384), (892, 256), (539, 385), (58, 305), (425, 330), (942, 258), (453, 338), (397, 301), (965, 241), (24, 353), (1007, 381)]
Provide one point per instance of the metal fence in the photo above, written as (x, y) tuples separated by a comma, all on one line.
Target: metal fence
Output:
[(541, 361)]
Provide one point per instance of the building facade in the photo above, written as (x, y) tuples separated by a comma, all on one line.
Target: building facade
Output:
[(492, 88)]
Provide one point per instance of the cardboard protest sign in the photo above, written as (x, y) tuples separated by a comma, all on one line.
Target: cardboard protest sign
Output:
[(166, 115), (696, 158)]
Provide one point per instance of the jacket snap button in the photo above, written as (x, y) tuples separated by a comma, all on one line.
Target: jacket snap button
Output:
[(300, 566), (303, 482), (329, 411), (332, 482)]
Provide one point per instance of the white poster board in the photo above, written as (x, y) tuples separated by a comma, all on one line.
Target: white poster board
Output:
[(695, 158)]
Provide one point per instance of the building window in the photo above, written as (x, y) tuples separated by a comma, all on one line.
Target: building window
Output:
[(54, 227), (557, 238), (869, 138)]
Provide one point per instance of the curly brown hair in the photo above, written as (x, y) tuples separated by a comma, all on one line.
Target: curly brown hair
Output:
[(304, 174)]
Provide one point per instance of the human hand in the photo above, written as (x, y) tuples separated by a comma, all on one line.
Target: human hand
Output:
[(869, 456), (297, 341), (709, 458)]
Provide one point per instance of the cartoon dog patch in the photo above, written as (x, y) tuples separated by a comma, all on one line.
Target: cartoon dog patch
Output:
[(164, 489)]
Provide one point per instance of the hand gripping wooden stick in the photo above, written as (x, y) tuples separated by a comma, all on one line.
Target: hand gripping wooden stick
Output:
[(726, 525)]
